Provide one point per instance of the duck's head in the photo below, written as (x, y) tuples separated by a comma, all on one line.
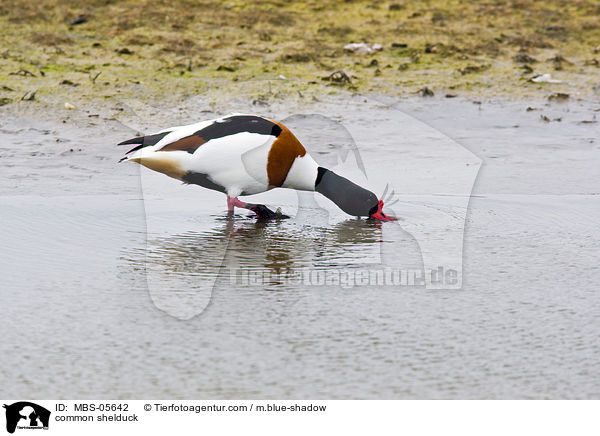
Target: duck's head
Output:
[(351, 198)]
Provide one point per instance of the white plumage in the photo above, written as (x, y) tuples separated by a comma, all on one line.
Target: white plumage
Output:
[(243, 155)]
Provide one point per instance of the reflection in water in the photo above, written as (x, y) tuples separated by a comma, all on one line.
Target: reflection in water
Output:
[(272, 245), (182, 270)]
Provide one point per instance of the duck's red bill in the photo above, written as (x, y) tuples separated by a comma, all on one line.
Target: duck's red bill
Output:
[(379, 215)]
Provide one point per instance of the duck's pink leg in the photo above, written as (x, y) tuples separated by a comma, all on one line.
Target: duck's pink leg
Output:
[(229, 204), (260, 210), (235, 202)]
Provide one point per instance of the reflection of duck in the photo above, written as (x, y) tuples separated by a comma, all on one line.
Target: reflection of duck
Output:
[(184, 270), (264, 245), (245, 155), (357, 232)]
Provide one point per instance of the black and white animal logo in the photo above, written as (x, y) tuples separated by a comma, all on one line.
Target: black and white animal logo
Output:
[(26, 415)]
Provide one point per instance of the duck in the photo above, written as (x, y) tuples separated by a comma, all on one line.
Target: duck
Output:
[(241, 155)]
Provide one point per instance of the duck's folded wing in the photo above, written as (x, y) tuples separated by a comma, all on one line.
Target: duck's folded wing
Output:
[(221, 128), (189, 138)]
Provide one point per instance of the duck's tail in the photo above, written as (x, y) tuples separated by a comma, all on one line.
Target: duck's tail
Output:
[(141, 142)]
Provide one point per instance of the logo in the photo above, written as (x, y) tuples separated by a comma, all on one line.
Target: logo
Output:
[(26, 415)]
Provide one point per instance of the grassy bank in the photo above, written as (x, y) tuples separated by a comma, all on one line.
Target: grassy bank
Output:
[(101, 50)]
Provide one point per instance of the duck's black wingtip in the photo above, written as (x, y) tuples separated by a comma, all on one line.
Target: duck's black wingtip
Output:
[(136, 140)]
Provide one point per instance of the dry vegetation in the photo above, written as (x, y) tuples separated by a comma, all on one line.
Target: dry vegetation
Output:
[(173, 49)]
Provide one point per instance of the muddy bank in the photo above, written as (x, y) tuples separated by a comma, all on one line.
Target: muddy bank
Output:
[(102, 51)]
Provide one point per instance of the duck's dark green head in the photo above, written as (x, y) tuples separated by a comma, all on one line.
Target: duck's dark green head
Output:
[(348, 196)]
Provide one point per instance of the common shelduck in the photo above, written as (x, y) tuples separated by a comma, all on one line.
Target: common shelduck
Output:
[(247, 154)]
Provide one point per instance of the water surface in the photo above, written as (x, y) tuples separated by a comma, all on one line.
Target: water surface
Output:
[(104, 274)]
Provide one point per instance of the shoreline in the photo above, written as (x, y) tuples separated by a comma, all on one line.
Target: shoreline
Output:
[(49, 95), (141, 115)]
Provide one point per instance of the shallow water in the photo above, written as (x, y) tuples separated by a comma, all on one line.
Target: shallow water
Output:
[(118, 283)]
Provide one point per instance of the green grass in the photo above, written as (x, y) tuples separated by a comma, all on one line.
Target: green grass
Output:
[(175, 49)]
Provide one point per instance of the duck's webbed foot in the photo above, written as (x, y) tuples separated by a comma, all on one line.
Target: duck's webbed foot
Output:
[(264, 213)]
